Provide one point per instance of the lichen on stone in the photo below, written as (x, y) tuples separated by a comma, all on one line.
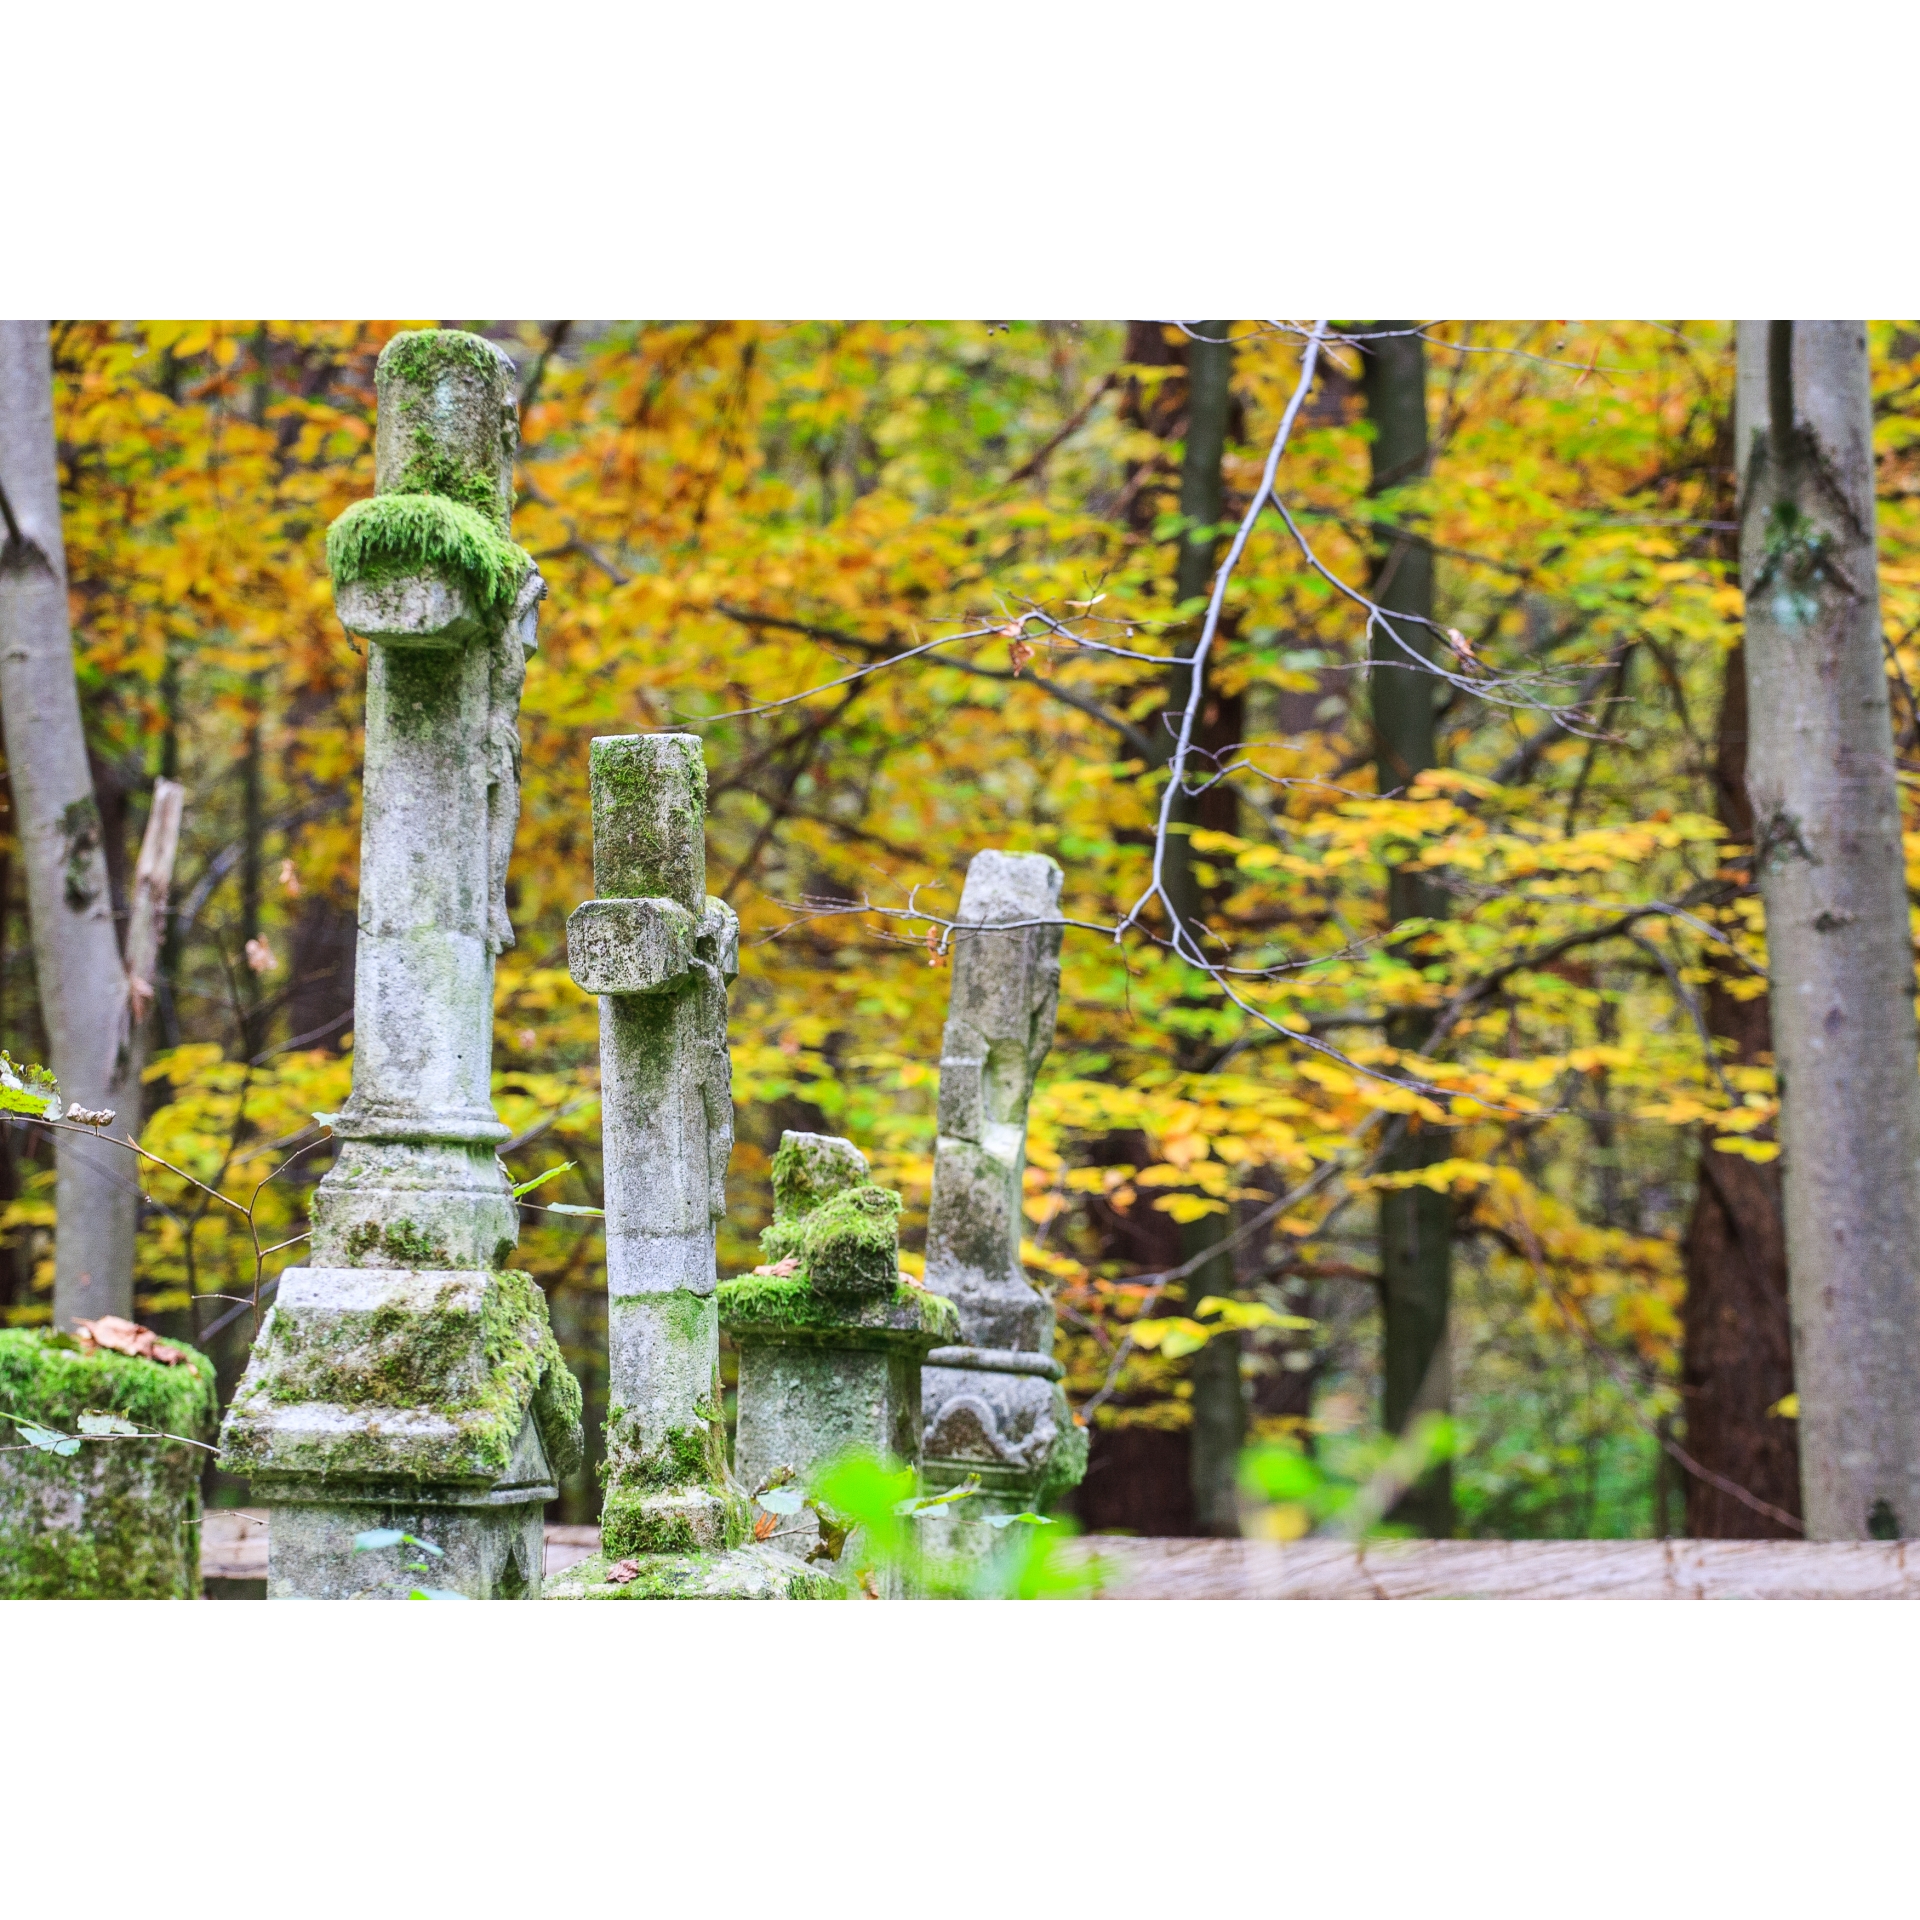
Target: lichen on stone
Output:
[(395, 534), (477, 1357)]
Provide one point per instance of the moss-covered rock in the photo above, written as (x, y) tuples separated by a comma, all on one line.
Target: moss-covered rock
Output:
[(119, 1519), (847, 1245)]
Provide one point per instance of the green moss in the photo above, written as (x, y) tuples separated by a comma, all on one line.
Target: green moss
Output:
[(422, 532), (120, 1519), (686, 1457), (766, 1304), (479, 1364), (630, 1525), (849, 1243), (44, 1377), (404, 1243), (649, 798), (421, 357), (808, 1169)]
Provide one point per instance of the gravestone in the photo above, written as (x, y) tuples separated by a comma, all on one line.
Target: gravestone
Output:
[(831, 1334), (406, 1380), (660, 954), (994, 1405)]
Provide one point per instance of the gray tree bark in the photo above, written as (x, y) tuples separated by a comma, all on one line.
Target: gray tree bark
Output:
[(1416, 1225), (97, 1047), (1832, 873)]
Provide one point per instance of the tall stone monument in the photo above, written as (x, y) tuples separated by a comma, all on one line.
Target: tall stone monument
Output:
[(831, 1335), (994, 1406), (406, 1381), (659, 954)]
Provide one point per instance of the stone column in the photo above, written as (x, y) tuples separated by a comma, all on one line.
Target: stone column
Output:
[(406, 1379), (831, 1336), (994, 1406), (660, 954)]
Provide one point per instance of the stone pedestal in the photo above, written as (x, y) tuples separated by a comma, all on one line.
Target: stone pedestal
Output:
[(831, 1349), (117, 1519), (993, 1403), (407, 1371), (660, 955)]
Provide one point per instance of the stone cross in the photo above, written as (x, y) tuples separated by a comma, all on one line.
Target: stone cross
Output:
[(994, 1406), (406, 1381), (831, 1336), (659, 954)]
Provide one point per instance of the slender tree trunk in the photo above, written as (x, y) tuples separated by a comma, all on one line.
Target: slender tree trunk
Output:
[(1737, 1353), (97, 1049), (1828, 849), (1416, 1225), (1219, 1404)]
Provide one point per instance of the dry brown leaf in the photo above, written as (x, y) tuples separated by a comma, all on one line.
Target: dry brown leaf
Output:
[(764, 1524), (1019, 653), (261, 957), (125, 1336), (622, 1571), (778, 1271), (935, 958)]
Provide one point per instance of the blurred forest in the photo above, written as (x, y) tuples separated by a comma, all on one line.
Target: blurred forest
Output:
[(1548, 918)]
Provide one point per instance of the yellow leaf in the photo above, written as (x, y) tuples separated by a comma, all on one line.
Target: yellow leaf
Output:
[(1785, 1408)]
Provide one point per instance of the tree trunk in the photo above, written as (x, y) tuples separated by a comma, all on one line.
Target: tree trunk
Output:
[(1737, 1353), (96, 1047), (1416, 1225), (1828, 850), (1219, 1404)]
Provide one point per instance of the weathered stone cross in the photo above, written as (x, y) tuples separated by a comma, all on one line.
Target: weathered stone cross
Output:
[(406, 1386), (994, 1407), (660, 953)]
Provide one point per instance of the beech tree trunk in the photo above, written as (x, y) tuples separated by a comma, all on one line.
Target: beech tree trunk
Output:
[(97, 1048), (1840, 954), (1737, 1348), (1416, 1225)]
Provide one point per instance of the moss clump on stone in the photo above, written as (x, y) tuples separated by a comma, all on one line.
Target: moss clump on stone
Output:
[(810, 1168), (785, 1305), (396, 534), (686, 1457), (120, 1519), (421, 356), (849, 1244), (631, 1524)]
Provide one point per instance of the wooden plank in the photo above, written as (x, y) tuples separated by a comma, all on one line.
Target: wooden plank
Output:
[(1141, 1569)]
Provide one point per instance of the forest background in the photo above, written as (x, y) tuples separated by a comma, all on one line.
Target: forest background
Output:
[(1547, 923)]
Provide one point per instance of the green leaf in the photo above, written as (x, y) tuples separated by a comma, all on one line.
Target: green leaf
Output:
[(425, 1546), (596, 1213), (541, 1179), (106, 1423), (436, 1593), (377, 1537), (46, 1440), (781, 1500), (1017, 1520)]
